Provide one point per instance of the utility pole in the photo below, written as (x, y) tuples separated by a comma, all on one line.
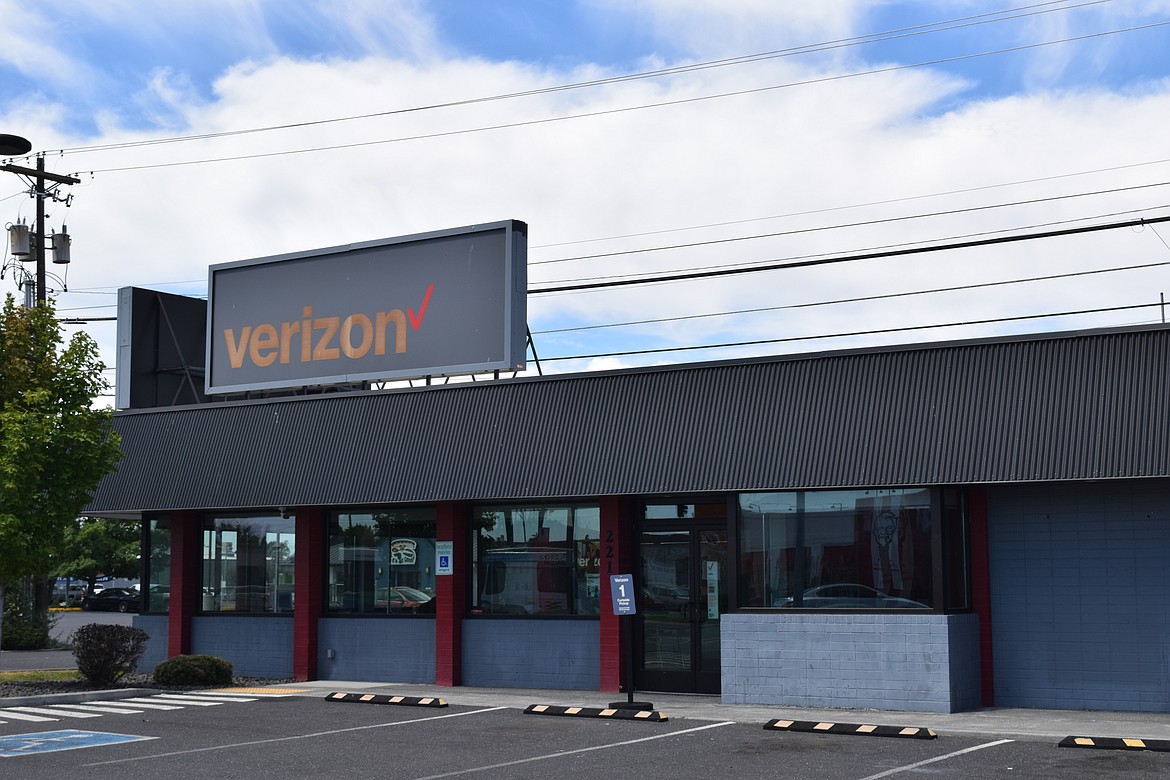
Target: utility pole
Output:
[(40, 192)]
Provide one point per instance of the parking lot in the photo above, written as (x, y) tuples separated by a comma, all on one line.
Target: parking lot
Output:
[(298, 732)]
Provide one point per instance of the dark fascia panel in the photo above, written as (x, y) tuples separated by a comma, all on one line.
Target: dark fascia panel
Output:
[(1057, 407)]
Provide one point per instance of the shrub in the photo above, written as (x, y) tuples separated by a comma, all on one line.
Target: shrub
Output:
[(106, 653), (194, 670), (24, 631), (23, 628)]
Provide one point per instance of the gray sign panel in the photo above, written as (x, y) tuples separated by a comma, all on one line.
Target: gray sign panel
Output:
[(621, 592), (450, 302)]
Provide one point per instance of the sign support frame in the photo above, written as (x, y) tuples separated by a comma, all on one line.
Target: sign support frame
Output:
[(624, 607)]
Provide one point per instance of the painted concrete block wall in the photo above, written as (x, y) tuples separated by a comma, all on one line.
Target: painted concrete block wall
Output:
[(382, 650), (532, 653), (256, 646), (1081, 595), (919, 663), (155, 627)]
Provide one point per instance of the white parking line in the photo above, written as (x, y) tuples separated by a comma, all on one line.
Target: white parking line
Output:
[(150, 705), (46, 711), (23, 716), (194, 702), (564, 753), (108, 709), (908, 767)]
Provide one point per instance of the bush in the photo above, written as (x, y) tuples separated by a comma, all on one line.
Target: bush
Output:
[(23, 631), (23, 628), (106, 653), (194, 670)]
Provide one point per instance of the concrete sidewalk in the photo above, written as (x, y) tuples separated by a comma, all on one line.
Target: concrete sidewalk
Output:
[(998, 722), (1021, 724)]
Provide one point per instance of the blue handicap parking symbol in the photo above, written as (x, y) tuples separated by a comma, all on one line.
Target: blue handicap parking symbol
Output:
[(51, 741)]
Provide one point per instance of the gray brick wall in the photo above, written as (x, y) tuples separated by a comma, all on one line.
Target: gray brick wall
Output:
[(156, 647), (920, 663), (518, 653), (377, 649), (256, 646), (1081, 595)]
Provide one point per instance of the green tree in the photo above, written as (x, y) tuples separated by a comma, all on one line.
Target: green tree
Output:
[(54, 445), (94, 546)]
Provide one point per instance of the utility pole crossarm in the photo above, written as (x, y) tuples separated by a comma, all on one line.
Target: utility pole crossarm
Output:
[(40, 174)]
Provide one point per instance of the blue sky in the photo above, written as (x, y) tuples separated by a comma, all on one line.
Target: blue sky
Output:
[(798, 143), (98, 57)]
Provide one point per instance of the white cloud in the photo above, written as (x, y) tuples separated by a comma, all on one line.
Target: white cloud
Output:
[(400, 29)]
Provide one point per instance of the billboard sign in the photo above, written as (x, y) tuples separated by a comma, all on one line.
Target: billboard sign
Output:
[(432, 304)]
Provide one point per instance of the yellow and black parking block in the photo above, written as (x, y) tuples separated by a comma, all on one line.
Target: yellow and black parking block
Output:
[(856, 729), (596, 712), (381, 698), (1116, 743)]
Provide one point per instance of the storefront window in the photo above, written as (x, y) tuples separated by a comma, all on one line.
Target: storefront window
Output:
[(536, 560), (248, 564), (382, 562), (837, 549), (156, 596)]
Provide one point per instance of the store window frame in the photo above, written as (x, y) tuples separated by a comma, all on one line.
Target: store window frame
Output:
[(949, 546), (274, 596), (579, 583), (383, 599)]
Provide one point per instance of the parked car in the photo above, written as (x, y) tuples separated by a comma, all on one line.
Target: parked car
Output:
[(112, 599), (850, 595), (158, 598), (402, 599)]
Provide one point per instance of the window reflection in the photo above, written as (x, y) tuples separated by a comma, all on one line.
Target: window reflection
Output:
[(157, 595), (248, 564), (868, 549), (382, 562), (536, 560)]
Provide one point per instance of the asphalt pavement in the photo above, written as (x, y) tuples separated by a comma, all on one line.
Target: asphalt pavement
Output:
[(1014, 723), (33, 660)]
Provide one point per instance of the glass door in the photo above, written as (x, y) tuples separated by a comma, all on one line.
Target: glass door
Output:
[(682, 591)]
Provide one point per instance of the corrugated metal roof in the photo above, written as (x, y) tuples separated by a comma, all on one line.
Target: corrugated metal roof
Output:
[(1089, 405)]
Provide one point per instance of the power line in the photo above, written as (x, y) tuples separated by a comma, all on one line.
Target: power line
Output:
[(881, 331), (989, 17), (931, 242), (626, 109), (687, 276), (863, 223), (822, 259), (829, 209), (1110, 169), (858, 299)]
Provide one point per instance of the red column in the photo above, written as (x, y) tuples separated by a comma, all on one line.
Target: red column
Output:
[(309, 574), (451, 594), (981, 587), (617, 557), (186, 557)]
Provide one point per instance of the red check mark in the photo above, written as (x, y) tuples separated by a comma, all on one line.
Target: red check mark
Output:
[(415, 322)]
